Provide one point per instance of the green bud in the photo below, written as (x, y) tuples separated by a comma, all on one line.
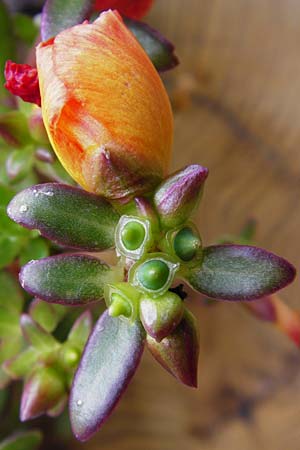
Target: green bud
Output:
[(160, 316), (178, 353), (154, 274)]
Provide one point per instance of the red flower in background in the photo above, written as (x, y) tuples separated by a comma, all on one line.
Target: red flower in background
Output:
[(22, 80), (135, 9)]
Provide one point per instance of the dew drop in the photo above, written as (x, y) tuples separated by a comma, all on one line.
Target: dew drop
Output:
[(79, 402), (23, 208)]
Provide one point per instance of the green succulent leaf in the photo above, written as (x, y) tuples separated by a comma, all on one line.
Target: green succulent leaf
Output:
[(81, 330), (19, 366), (109, 361), (14, 128), (67, 279), (36, 336), (66, 215), (11, 296), (46, 315), (28, 440), (58, 15), (240, 272), (19, 163), (25, 28)]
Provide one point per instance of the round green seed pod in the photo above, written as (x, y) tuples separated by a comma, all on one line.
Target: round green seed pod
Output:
[(153, 274), (133, 235), (186, 244)]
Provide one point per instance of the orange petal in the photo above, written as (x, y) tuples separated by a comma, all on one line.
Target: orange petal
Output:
[(105, 108)]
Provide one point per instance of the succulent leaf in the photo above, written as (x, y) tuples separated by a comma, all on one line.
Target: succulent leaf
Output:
[(66, 215), (157, 47), (66, 279), (109, 361), (58, 15), (240, 272), (178, 353)]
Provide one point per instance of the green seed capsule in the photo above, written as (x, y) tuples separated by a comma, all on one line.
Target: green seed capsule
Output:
[(153, 274), (186, 244), (133, 235)]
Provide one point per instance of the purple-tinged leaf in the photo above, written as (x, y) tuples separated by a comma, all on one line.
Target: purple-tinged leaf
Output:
[(178, 196), (58, 15), (67, 279), (178, 353), (36, 336), (157, 47), (43, 390), (66, 215), (160, 316), (109, 361), (240, 272)]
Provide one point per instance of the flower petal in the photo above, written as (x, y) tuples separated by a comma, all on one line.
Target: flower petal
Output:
[(103, 101)]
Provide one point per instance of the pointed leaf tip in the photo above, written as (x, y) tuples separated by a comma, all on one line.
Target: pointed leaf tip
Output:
[(240, 272), (109, 361)]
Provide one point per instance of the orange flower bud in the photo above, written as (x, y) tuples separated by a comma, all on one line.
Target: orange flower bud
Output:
[(105, 108)]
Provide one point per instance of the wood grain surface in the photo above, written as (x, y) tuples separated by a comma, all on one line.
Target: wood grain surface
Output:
[(236, 99)]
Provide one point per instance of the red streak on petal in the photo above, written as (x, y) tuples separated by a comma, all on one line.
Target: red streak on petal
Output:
[(134, 9), (22, 80)]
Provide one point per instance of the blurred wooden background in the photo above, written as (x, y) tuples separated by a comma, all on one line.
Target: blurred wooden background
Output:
[(236, 99)]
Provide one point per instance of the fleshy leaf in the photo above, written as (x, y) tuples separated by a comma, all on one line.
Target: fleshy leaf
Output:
[(46, 315), (68, 279), (178, 353), (58, 15), (81, 329), (21, 365), (178, 196), (28, 440), (66, 215), (109, 361), (240, 272), (36, 336), (19, 163), (10, 293), (157, 47), (42, 392)]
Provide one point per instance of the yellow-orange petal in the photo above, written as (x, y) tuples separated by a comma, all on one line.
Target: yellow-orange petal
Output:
[(105, 108)]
